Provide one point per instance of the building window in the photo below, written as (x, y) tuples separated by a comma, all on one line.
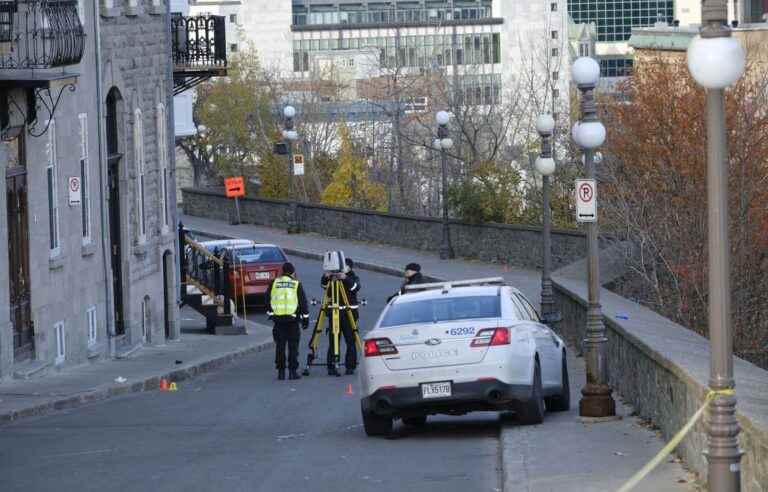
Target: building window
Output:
[(233, 47), (614, 22), (555, 75), (85, 179), (145, 320), (555, 52), (584, 49), (553, 6), (555, 93), (53, 196), (233, 18), (554, 34), (90, 316), (616, 67), (162, 152), (138, 130), (61, 349)]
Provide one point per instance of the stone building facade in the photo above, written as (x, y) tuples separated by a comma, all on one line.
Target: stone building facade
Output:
[(87, 250)]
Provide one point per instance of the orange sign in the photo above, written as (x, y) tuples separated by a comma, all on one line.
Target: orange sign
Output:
[(234, 187)]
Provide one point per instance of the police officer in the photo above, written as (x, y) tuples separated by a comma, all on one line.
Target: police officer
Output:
[(412, 276), (287, 307), (351, 283)]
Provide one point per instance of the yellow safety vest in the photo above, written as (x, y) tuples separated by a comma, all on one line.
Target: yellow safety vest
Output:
[(284, 296)]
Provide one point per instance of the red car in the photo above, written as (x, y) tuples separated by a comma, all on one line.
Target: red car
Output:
[(254, 266)]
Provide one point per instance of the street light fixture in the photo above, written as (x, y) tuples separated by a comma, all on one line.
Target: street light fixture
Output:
[(545, 165), (444, 142), (290, 135), (589, 134), (717, 60)]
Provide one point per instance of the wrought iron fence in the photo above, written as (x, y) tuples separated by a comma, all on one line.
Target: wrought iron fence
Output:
[(199, 42), (41, 34), (207, 270)]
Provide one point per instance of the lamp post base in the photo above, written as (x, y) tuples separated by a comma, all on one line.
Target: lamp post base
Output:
[(446, 252), (293, 222), (597, 402)]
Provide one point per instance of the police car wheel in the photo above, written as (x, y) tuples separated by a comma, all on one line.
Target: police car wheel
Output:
[(376, 425)]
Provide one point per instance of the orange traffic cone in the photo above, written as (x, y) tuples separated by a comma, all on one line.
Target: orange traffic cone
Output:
[(349, 389), (163, 385)]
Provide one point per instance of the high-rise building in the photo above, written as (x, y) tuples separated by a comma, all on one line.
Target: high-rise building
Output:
[(486, 43)]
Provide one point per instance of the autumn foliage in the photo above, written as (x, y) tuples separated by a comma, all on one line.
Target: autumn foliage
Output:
[(655, 195)]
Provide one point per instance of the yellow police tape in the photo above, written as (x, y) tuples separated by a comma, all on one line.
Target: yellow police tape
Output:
[(637, 477)]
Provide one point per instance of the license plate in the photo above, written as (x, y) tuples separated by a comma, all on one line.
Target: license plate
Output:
[(259, 276), (436, 390)]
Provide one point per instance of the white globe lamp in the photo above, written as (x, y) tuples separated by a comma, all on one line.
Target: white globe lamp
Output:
[(447, 143), (589, 134), (545, 165), (545, 124), (289, 111), (716, 63), (442, 117), (585, 71)]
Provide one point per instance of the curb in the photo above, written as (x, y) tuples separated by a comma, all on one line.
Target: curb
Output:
[(311, 255), (148, 384), (514, 476)]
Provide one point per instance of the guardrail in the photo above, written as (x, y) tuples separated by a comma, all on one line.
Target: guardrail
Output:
[(206, 270)]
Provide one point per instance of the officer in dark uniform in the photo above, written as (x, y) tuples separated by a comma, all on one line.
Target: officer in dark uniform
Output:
[(351, 283), (287, 307), (412, 276)]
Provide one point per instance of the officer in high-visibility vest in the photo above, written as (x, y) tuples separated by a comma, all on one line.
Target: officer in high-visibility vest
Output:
[(287, 307)]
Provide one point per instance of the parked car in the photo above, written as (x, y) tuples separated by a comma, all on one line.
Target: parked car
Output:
[(253, 266), (457, 347)]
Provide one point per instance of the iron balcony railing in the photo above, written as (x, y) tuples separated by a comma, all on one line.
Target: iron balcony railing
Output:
[(199, 42), (40, 34)]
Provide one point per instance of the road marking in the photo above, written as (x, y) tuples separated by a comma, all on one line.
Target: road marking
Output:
[(79, 453)]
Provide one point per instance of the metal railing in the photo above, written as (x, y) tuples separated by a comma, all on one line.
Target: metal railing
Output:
[(199, 42), (41, 34), (207, 270)]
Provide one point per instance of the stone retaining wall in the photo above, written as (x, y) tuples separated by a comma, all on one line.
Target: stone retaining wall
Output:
[(661, 369), (516, 245)]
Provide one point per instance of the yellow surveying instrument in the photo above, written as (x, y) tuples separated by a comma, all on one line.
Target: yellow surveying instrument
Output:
[(334, 305)]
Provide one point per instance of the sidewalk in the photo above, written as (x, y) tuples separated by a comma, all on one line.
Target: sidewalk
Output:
[(194, 354), (560, 455)]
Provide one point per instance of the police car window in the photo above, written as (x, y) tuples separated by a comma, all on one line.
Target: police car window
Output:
[(522, 313), (534, 316), (259, 254), (436, 310)]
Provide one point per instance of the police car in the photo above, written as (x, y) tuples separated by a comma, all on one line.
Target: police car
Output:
[(457, 347)]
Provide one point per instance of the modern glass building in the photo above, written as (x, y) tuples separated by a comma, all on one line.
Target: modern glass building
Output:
[(411, 36), (615, 20)]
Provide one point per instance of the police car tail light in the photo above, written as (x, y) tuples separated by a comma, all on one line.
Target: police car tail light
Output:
[(491, 337), (379, 346)]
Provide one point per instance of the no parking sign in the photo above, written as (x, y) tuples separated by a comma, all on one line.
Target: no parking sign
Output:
[(75, 194), (586, 200)]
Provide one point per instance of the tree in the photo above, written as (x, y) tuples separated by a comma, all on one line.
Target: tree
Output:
[(350, 186), (654, 192)]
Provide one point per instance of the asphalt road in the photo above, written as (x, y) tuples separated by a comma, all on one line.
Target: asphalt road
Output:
[(241, 429)]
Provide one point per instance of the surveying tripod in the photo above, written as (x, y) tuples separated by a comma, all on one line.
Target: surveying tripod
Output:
[(334, 299)]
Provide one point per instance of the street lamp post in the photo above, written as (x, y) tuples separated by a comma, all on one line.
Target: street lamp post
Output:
[(545, 165), (589, 134), (717, 60), (290, 135), (444, 142)]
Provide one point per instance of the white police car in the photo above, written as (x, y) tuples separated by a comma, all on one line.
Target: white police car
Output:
[(456, 347)]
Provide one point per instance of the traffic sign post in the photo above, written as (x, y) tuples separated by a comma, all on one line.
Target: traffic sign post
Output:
[(235, 188), (298, 165), (586, 200), (75, 193)]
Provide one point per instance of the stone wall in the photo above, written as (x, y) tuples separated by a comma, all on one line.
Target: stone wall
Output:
[(517, 245), (661, 369)]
